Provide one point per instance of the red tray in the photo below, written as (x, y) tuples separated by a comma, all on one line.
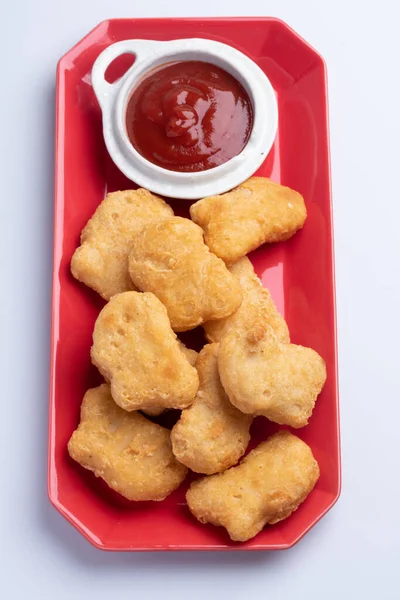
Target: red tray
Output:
[(299, 273)]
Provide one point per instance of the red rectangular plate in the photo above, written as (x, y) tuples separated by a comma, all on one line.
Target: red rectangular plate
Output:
[(299, 273)]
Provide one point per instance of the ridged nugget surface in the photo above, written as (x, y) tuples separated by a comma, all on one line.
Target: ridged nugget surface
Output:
[(257, 301), (256, 212), (170, 259), (211, 435), (136, 350), (268, 485), (131, 454), (262, 376), (101, 261)]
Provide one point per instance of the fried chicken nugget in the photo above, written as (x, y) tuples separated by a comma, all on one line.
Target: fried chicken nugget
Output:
[(211, 435), (255, 212), (262, 376), (257, 301), (101, 261), (170, 259), (191, 357), (132, 455), (267, 486), (136, 350)]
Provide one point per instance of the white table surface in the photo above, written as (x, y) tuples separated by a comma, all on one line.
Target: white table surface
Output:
[(354, 551)]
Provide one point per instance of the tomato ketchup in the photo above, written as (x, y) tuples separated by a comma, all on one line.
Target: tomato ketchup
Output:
[(189, 116)]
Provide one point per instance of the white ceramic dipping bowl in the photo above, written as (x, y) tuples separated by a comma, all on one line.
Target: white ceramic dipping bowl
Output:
[(113, 100)]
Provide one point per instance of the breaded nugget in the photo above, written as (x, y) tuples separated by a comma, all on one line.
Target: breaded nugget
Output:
[(267, 486), (255, 212), (170, 259), (191, 356), (101, 261), (136, 350), (132, 455), (262, 376), (257, 301), (211, 435)]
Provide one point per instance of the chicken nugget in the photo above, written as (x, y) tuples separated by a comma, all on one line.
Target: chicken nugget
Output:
[(262, 376), (267, 486), (191, 356), (255, 212), (132, 454), (170, 259), (257, 301), (211, 435), (136, 350), (101, 261)]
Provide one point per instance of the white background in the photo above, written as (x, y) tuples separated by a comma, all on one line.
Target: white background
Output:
[(354, 551)]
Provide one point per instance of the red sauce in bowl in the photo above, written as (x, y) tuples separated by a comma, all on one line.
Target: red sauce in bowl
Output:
[(189, 116)]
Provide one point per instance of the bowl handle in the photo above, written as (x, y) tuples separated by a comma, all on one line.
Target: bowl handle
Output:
[(105, 91)]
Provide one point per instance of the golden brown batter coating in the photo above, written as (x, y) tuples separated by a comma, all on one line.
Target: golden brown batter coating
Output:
[(267, 486), (255, 212), (170, 259), (132, 455), (265, 377), (211, 435), (101, 261), (136, 350), (191, 357), (257, 302)]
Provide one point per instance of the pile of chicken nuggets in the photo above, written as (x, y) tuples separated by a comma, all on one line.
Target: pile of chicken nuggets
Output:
[(162, 274)]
